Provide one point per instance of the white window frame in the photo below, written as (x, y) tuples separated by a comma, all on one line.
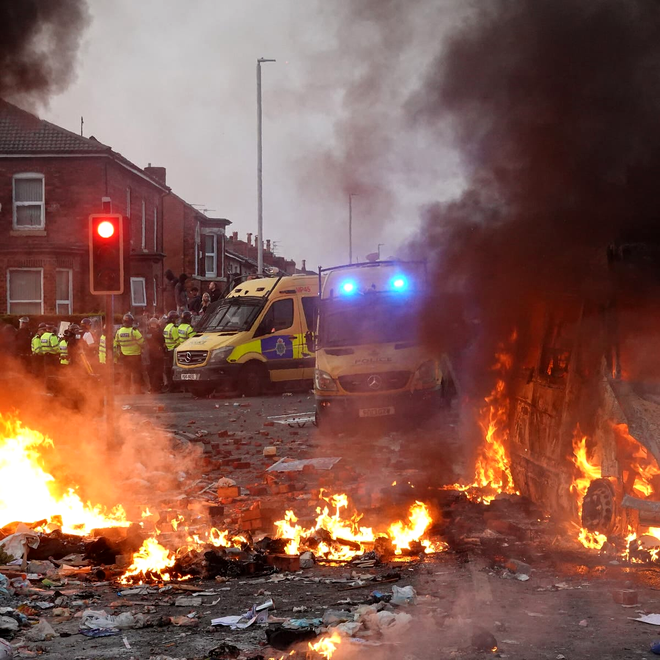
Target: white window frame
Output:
[(9, 300), (128, 202), (42, 225), (144, 225), (155, 229), (68, 302), (155, 292), (142, 282), (205, 254)]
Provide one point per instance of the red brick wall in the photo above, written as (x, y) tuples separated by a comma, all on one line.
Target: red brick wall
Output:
[(74, 188)]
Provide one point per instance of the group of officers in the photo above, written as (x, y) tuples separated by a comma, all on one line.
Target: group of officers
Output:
[(142, 357)]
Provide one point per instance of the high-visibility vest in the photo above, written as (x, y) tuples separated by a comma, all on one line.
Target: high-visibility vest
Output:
[(171, 335), (36, 345), (185, 331), (50, 344), (64, 352), (102, 349), (129, 341)]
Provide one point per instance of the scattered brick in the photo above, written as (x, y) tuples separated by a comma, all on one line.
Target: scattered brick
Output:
[(286, 563), (241, 465), (269, 423), (228, 492), (625, 596)]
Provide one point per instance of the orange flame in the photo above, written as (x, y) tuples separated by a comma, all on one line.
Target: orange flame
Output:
[(341, 529), (28, 493), (326, 646), (588, 471), (151, 558)]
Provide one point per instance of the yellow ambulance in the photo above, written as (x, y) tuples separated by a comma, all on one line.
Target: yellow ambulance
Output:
[(370, 362), (252, 338)]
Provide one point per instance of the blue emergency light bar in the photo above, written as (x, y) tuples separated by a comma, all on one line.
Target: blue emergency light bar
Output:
[(399, 283), (348, 287)]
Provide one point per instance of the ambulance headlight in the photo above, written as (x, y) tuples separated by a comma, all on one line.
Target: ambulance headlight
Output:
[(323, 381), (426, 374), (220, 355)]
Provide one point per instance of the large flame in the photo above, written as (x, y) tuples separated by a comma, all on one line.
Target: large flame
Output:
[(152, 559), (587, 472), (29, 494), (347, 537), (492, 472)]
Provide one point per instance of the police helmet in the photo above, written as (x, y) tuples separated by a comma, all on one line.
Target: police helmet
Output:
[(128, 320), (86, 322), (172, 316), (186, 317), (74, 329), (43, 326), (153, 322)]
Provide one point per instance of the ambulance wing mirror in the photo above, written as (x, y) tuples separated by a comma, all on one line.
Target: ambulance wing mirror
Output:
[(310, 340)]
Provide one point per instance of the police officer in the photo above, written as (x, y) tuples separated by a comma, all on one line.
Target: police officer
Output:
[(184, 328), (64, 349), (50, 350), (37, 355), (171, 336), (128, 344)]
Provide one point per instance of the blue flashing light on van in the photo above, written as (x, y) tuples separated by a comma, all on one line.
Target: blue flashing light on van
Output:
[(348, 287), (399, 283)]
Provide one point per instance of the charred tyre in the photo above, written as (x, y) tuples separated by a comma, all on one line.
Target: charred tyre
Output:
[(599, 509)]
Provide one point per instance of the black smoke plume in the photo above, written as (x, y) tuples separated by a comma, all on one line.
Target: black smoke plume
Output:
[(554, 109), (39, 41)]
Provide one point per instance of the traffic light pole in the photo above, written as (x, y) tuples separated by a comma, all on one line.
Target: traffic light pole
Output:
[(109, 372)]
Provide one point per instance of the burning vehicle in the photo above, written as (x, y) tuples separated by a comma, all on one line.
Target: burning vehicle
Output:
[(582, 385)]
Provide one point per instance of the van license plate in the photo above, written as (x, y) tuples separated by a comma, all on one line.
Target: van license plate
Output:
[(376, 412), (189, 376)]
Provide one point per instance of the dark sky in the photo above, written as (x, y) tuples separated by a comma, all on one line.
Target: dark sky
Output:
[(173, 84)]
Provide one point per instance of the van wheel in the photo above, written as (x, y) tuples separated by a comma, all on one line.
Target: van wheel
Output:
[(252, 379)]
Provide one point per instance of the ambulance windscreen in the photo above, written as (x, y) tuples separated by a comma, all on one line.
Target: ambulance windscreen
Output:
[(374, 319), (231, 315)]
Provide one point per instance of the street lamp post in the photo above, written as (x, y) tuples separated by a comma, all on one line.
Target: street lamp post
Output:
[(260, 203), (350, 226)]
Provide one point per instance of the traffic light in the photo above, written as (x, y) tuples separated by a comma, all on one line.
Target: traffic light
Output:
[(106, 253)]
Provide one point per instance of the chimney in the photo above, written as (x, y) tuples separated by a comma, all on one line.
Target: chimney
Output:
[(234, 236), (158, 173), (304, 264), (268, 245), (249, 239)]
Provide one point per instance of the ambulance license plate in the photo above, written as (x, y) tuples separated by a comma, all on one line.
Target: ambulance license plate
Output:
[(376, 412), (189, 376)]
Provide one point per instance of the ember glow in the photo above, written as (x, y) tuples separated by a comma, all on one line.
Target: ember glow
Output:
[(151, 561), (342, 538), (29, 494)]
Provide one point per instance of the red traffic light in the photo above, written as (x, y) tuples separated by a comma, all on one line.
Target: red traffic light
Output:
[(105, 229)]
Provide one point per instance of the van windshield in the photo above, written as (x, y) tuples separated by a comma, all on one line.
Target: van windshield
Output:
[(231, 315), (370, 319)]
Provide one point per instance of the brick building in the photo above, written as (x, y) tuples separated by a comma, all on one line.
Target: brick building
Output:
[(248, 250), (50, 181), (193, 243)]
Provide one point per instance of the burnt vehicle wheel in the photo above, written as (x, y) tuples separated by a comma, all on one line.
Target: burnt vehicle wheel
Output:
[(599, 509), (252, 379)]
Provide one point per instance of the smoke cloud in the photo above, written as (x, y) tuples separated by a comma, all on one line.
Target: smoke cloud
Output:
[(553, 108), (38, 46)]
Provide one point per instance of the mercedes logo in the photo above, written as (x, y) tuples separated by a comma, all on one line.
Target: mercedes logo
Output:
[(187, 357), (374, 382)]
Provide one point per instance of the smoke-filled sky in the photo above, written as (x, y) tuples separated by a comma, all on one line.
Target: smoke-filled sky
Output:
[(173, 84)]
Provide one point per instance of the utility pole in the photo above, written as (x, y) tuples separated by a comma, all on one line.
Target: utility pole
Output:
[(260, 202), (350, 226)]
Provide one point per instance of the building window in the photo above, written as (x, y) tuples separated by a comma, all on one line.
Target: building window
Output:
[(25, 291), (144, 225), (63, 291), (210, 254), (155, 229), (128, 202), (155, 293), (138, 292), (29, 209)]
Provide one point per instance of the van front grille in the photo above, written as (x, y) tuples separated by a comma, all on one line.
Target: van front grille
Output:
[(190, 358)]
